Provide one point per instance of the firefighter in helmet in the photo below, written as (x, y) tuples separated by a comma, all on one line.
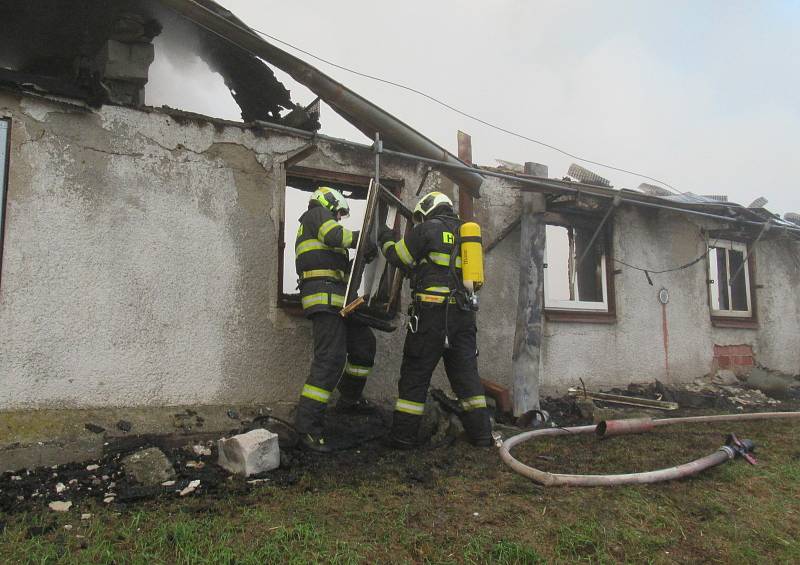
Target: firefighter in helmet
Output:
[(344, 350), (442, 322)]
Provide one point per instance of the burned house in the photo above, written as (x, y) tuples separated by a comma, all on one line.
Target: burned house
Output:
[(145, 250)]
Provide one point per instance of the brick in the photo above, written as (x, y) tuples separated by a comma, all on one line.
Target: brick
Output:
[(743, 361), (249, 454), (500, 394), (739, 350), (724, 362)]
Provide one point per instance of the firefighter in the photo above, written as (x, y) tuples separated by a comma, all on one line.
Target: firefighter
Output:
[(344, 350), (442, 322)]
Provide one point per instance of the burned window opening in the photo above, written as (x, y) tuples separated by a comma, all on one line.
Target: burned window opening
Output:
[(300, 183), (571, 283), (729, 279)]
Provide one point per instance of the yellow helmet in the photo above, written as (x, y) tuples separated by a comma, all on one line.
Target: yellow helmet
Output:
[(331, 199), (428, 203)]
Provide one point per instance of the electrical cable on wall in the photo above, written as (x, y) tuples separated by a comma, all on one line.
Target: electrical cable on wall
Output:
[(246, 29), (463, 113), (658, 272)]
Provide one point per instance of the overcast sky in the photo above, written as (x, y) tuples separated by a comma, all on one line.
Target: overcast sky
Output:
[(705, 95)]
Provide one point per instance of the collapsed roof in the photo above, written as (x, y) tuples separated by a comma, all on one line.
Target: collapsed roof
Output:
[(61, 47), (68, 49)]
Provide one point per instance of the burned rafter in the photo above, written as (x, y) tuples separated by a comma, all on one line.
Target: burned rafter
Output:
[(64, 48)]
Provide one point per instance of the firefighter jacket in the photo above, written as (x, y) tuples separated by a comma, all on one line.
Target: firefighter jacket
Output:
[(427, 253), (321, 259)]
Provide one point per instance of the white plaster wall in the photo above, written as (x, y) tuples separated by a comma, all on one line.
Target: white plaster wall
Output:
[(632, 348), (140, 262), (140, 268)]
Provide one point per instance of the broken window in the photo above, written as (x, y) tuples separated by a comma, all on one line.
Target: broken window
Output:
[(4, 145), (729, 278), (575, 274), (300, 184)]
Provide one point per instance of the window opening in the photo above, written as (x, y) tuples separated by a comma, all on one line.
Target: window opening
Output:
[(570, 286), (297, 194), (301, 182), (729, 279)]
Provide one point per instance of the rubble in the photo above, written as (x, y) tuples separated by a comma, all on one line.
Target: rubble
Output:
[(774, 383), (725, 377), (124, 426), (201, 450), (190, 488), (60, 505), (148, 467), (716, 394), (249, 454)]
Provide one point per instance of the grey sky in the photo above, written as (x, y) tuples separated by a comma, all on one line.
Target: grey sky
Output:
[(701, 94)]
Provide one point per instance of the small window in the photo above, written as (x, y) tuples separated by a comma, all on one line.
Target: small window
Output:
[(729, 279), (4, 144), (572, 283)]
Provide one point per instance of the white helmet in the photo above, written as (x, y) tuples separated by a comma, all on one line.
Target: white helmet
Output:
[(428, 203), (331, 199)]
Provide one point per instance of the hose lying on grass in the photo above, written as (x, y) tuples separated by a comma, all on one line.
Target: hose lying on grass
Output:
[(616, 427)]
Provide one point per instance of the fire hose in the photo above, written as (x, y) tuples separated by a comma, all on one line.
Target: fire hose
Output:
[(734, 448)]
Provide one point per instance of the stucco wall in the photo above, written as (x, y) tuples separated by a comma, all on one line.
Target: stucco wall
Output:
[(632, 348), (140, 261), (140, 268)]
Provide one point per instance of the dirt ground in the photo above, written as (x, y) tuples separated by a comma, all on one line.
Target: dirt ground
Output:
[(449, 503)]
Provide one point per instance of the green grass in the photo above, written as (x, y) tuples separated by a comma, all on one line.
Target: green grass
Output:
[(473, 511)]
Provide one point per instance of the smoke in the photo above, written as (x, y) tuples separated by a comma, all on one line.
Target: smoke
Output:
[(180, 78)]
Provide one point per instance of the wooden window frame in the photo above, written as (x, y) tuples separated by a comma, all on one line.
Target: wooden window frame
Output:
[(578, 315), (733, 318), (290, 303)]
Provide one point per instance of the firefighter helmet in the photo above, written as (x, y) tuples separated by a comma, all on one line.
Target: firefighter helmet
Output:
[(331, 199), (429, 203)]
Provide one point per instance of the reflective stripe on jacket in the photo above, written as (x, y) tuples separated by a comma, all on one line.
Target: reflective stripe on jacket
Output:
[(426, 252), (322, 259)]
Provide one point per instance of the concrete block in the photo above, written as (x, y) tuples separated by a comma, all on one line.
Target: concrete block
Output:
[(725, 377), (127, 61), (249, 454)]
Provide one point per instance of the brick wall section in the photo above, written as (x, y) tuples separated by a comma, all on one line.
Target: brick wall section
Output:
[(734, 357)]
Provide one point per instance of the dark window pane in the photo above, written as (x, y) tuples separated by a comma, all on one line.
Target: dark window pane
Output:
[(738, 281), (589, 273), (722, 279)]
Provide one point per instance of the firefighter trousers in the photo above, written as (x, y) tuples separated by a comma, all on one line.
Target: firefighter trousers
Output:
[(344, 352), (421, 354)]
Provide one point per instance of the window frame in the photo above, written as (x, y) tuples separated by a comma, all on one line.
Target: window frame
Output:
[(584, 311), (5, 168), (730, 315)]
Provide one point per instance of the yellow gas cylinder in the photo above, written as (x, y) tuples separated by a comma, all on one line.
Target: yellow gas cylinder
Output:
[(471, 256)]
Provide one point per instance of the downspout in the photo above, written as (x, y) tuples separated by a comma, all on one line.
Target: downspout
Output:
[(363, 114)]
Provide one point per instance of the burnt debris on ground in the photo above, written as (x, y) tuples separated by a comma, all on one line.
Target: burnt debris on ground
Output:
[(359, 452)]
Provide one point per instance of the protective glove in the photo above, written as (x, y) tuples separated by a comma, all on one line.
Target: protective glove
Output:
[(385, 234), (370, 251)]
